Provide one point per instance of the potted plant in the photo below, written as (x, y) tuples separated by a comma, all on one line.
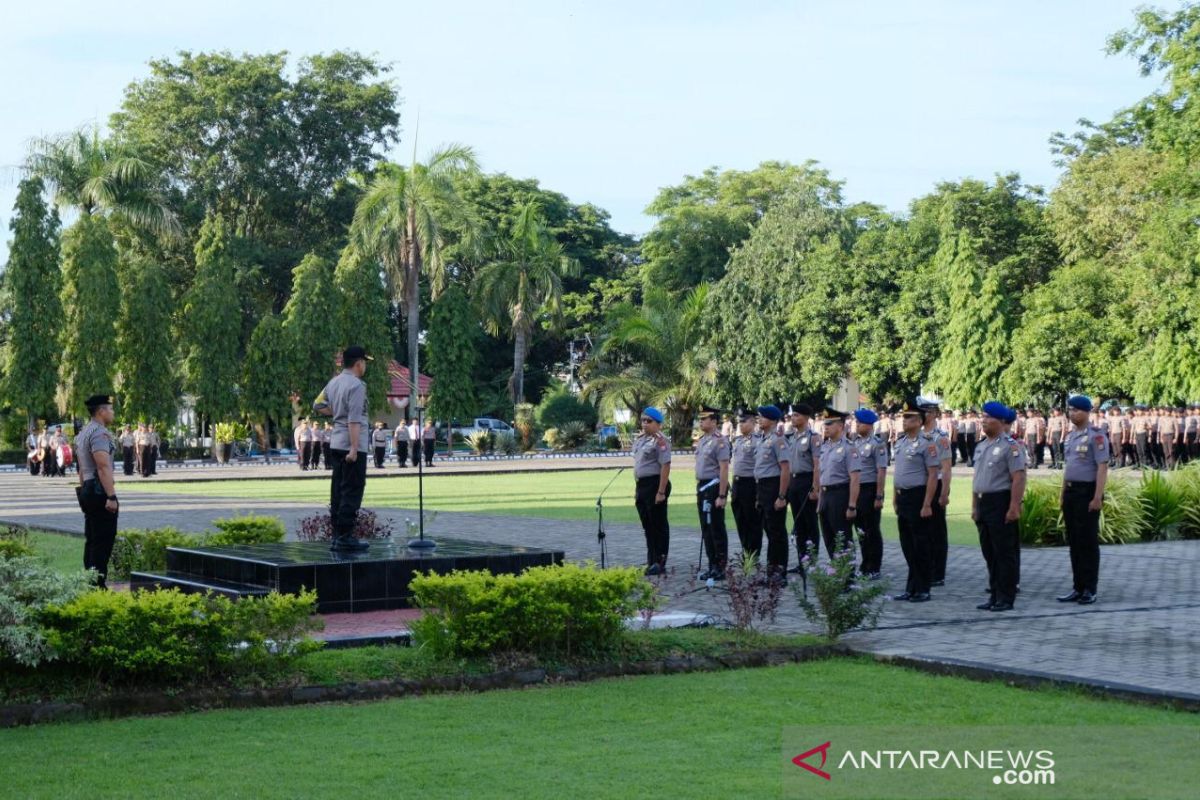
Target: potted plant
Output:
[(225, 434)]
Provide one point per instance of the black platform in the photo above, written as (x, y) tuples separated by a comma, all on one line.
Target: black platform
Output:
[(369, 581)]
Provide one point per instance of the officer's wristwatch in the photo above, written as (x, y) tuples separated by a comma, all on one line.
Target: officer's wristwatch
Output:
[(852, 508)]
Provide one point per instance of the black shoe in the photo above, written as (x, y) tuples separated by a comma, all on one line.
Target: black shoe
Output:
[(717, 575), (902, 597), (703, 576), (795, 571), (653, 569), (1086, 598), (920, 597), (938, 583), (1068, 598), (985, 606), (349, 543), (1001, 607), (778, 579)]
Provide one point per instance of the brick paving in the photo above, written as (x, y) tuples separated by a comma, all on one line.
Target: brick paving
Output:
[(1144, 632)]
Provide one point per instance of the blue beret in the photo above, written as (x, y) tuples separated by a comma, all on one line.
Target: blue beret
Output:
[(1081, 402), (866, 416), (996, 409), (770, 412), (653, 413)]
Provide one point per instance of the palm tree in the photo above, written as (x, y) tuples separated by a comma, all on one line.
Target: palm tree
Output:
[(526, 281), (401, 219), (651, 355), (99, 176)]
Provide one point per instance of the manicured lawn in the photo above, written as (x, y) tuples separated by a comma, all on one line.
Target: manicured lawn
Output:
[(63, 552), (699, 735), (554, 495)]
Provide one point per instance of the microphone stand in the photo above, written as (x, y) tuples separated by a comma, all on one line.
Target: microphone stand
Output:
[(600, 534)]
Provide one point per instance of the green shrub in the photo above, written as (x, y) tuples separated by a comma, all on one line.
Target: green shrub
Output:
[(571, 436), (506, 443), (1163, 504), (842, 602), (137, 550), (1187, 481), (1123, 516), (525, 423), (27, 586), (14, 548), (612, 442), (1041, 513), (560, 407), (481, 442), (547, 611), (247, 529), (168, 636)]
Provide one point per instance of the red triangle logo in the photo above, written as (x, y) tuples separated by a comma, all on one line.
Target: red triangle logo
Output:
[(799, 760)]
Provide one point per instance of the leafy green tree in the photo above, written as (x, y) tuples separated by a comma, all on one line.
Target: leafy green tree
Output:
[(210, 326), (146, 381), (310, 323), (453, 333), (400, 222), (90, 302), (358, 283), (33, 282), (266, 378), (524, 285)]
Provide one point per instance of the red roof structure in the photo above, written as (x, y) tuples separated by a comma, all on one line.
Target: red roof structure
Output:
[(400, 381)]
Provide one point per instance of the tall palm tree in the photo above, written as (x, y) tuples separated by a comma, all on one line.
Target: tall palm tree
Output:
[(652, 354), (527, 280), (95, 175), (401, 220)]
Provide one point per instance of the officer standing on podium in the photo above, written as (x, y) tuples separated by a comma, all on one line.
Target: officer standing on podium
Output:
[(996, 495), (712, 490), (1085, 473), (652, 472)]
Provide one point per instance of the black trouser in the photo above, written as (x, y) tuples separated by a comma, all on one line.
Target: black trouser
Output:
[(314, 455), (916, 540), (1083, 534), (712, 525), (416, 452), (401, 451), (870, 538), (1156, 451), (380, 452), (429, 452), (305, 449), (954, 451), (1193, 445), (773, 523), (49, 462), (964, 452), (144, 456), (34, 466), (127, 454), (655, 525), (1056, 453), (972, 440), (346, 491), (835, 528), (743, 498), (939, 537), (805, 529), (1035, 451), (1142, 441), (1000, 542), (99, 529), (325, 454), (153, 459)]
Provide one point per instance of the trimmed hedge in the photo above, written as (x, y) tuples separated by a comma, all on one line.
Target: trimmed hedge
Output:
[(247, 529)]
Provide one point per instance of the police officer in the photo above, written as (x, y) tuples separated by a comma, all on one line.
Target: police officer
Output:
[(345, 399), (1191, 435), (142, 439), (712, 490), (940, 541), (652, 473), (1056, 429), (402, 443), (304, 444), (1084, 477), (155, 445), (127, 445), (996, 494), (317, 445), (972, 437), (325, 434), (838, 479), (772, 473), (379, 440), (97, 489), (744, 489), (916, 466), (872, 459), (805, 446)]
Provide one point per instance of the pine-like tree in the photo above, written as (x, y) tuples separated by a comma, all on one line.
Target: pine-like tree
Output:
[(266, 376), (145, 374), (91, 302), (451, 345), (364, 316), (33, 281), (211, 325), (310, 323)]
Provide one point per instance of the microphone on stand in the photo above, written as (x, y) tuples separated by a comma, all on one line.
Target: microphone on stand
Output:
[(600, 534)]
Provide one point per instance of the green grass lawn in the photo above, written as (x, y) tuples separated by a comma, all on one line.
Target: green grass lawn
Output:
[(63, 552), (554, 495), (699, 735)]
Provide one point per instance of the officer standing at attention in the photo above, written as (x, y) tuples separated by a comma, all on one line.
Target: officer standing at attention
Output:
[(915, 478), (940, 542), (803, 486), (772, 472), (1084, 478), (379, 440), (155, 447), (839, 483), (142, 437), (712, 490), (97, 490), (744, 491), (402, 443), (652, 472), (872, 457), (1056, 429), (301, 437), (345, 399), (127, 445), (996, 495), (318, 444)]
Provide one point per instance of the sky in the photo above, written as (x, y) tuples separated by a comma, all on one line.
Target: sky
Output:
[(609, 101)]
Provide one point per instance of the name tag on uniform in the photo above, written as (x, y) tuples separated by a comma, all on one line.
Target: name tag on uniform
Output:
[(867, 450), (1083, 448), (804, 441), (839, 450), (996, 450)]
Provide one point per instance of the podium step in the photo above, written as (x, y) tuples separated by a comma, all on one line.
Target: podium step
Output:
[(192, 584)]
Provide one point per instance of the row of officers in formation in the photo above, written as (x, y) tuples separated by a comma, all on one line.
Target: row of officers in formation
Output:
[(312, 443), (50, 452), (831, 472)]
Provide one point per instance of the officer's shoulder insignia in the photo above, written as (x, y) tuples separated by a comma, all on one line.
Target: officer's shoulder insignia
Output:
[(1100, 440), (933, 450)]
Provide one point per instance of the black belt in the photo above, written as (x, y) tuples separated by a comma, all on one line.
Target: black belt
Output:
[(744, 478), (910, 488), (981, 495), (1079, 484), (649, 477), (798, 474), (833, 486)]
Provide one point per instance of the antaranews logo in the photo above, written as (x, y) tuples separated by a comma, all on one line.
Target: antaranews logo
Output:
[(1009, 767), (801, 760)]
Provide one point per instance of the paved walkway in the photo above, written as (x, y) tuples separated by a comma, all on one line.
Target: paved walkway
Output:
[(1144, 632)]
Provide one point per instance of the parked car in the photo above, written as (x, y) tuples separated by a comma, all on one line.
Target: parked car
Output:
[(480, 424)]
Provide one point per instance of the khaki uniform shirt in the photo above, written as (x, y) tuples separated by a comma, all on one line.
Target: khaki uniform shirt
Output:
[(995, 461), (711, 450), (94, 438), (650, 453), (346, 396)]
